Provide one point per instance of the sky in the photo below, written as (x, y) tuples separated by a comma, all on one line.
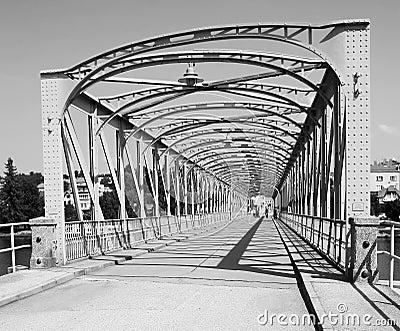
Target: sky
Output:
[(54, 34)]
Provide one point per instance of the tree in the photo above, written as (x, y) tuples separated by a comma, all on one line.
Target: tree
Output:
[(392, 210), (376, 207), (70, 213), (10, 195), (30, 202), (109, 205)]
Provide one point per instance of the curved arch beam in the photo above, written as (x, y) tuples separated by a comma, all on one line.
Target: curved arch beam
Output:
[(174, 58), (178, 112), (249, 123), (225, 89), (221, 132), (254, 156), (208, 144), (226, 170), (238, 176), (173, 85), (203, 35), (258, 159)]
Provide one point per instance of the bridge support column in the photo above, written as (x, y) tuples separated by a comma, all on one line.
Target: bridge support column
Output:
[(363, 250), (44, 243), (54, 92)]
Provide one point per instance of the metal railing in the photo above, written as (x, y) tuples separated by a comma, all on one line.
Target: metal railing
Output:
[(394, 226), (13, 227), (327, 236), (90, 238)]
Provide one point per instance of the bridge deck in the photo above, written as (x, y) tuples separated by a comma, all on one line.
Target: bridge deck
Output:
[(221, 280)]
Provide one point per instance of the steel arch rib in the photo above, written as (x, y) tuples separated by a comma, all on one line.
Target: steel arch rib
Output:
[(248, 123), (258, 159), (201, 35), (243, 177), (172, 85), (177, 112), (266, 167), (261, 159), (253, 155), (185, 92), (79, 88), (223, 132), (267, 102), (283, 159), (188, 158), (237, 104), (210, 143), (279, 170), (227, 170)]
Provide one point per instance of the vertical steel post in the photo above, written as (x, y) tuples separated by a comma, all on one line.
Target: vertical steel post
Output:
[(391, 268), (177, 188), (199, 194), (94, 160), (13, 263), (337, 161), (156, 184), (192, 188), (185, 188), (323, 165), (54, 92), (356, 87), (168, 184), (315, 174), (120, 146), (140, 158)]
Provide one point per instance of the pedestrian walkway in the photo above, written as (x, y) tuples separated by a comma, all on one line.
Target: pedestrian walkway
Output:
[(223, 281), (331, 294), (235, 277), (25, 283)]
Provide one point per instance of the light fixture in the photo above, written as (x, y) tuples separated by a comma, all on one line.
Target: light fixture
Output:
[(190, 77), (228, 141)]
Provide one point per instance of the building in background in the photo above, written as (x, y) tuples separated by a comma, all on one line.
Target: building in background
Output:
[(388, 194), (105, 185), (384, 175)]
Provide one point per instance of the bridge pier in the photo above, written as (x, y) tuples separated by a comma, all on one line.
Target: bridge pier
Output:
[(363, 250), (44, 243)]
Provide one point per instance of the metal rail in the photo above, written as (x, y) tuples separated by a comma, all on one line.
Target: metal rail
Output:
[(90, 238), (327, 236), (13, 248), (393, 226)]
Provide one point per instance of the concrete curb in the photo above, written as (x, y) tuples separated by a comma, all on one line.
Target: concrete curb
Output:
[(312, 294), (36, 289), (72, 273), (315, 299)]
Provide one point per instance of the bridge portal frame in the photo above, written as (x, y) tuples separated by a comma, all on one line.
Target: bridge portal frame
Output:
[(341, 143)]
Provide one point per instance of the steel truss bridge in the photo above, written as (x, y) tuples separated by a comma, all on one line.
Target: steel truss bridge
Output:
[(281, 110)]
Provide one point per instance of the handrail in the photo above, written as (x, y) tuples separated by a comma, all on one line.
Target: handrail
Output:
[(327, 236), (13, 248), (393, 225), (92, 237)]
